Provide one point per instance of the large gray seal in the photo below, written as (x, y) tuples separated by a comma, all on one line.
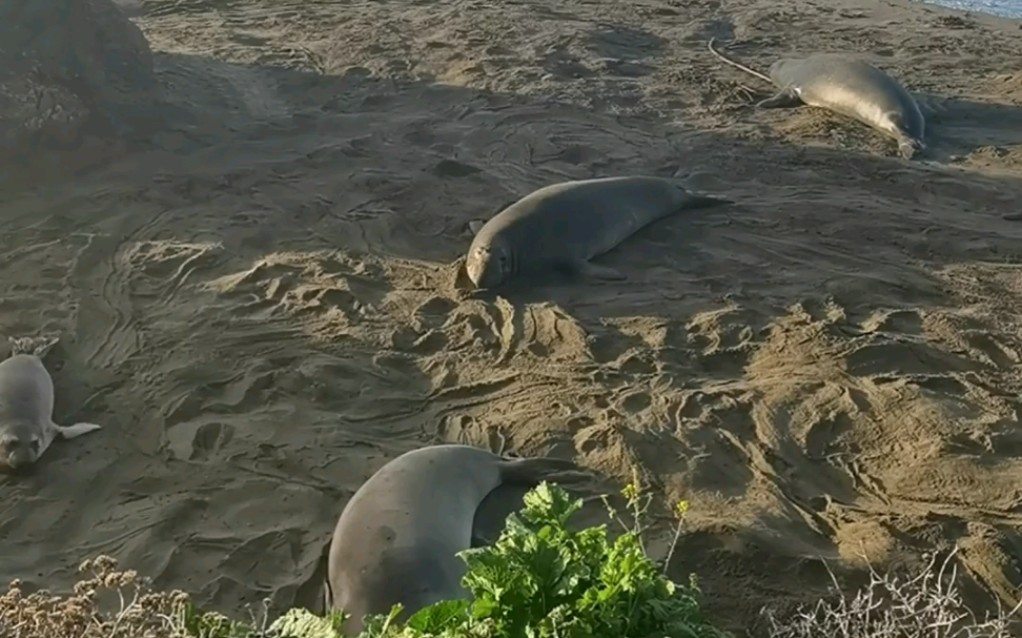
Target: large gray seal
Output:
[(563, 226), (26, 408), (397, 538), (848, 86)]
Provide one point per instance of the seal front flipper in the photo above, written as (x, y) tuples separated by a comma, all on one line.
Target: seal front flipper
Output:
[(784, 99), (594, 271), (78, 429)]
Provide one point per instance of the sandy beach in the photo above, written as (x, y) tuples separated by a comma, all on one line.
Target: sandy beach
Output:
[(262, 307)]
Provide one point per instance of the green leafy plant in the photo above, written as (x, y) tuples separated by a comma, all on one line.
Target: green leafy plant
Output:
[(542, 580), (303, 624)]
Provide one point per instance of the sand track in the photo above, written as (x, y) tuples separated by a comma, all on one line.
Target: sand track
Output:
[(260, 309)]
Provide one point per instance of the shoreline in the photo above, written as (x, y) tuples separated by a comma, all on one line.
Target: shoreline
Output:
[(986, 7)]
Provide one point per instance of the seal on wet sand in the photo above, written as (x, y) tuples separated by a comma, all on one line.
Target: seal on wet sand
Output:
[(397, 538), (848, 86), (563, 226), (26, 408)]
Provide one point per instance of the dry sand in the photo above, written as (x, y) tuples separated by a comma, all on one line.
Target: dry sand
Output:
[(260, 311)]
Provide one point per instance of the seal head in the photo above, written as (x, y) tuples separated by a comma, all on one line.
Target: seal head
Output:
[(20, 446), (489, 264)]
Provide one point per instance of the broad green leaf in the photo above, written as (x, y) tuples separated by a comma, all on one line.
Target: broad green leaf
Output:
[(440, 616), (301, 623)]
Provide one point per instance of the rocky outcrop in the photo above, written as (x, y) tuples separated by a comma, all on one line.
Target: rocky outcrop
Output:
[(70, 69)]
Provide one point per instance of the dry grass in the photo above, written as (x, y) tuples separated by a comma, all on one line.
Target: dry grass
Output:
[(925, 605), (111, 603), (106, 603)]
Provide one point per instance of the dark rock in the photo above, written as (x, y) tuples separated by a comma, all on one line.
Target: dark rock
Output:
[(70, 70)]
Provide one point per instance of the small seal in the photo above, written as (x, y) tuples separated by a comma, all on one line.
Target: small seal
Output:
[(398, 537), (26, 407), (847, 86), (563, 226)]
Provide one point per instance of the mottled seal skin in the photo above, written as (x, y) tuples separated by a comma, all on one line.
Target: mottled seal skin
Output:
[(848, 86), (563, 226), (398, 537), (26, 413)]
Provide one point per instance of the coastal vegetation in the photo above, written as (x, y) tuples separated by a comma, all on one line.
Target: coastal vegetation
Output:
[(540, 579)]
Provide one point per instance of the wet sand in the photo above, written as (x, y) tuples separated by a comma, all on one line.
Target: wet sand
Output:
[(260, 308)]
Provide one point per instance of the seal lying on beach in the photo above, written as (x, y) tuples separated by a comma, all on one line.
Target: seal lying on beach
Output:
[(564, 225), (397, 538), (848, 86), (26, 408)]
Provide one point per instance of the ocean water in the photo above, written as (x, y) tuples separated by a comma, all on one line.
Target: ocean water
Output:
[(1003, 8)]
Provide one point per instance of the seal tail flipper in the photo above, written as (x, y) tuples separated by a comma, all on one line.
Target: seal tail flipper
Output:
[(595, 271), (696, 200), (78, 429), (533, 471)]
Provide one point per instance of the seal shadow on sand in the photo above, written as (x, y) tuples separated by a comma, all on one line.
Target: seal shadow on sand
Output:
[(964, 126), (627, 51), (321, 335)]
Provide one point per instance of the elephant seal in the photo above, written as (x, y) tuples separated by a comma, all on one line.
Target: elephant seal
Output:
[(26, 408), (563, 226), (397, 538), (847, 86)]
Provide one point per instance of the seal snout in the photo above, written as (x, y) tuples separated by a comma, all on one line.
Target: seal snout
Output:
[(475, 265), (909, 148), (16, 453), (485, 266)]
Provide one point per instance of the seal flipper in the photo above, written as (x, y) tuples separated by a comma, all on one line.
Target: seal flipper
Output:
[(44, 442), (784, 99), (78, 429), (595, 271), (531, 471)]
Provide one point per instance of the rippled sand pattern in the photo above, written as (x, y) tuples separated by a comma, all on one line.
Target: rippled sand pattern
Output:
[(264, 307)]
